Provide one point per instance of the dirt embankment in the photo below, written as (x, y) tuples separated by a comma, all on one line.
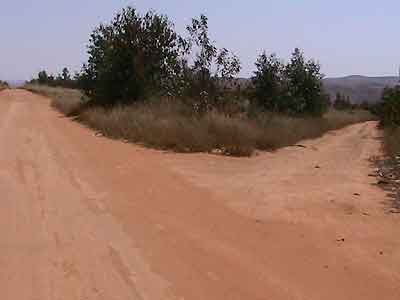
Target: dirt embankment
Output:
[(84, 217)]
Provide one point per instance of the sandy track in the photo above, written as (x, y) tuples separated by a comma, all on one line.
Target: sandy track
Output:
[(83, 217)]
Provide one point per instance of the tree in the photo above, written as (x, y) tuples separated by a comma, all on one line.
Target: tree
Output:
[(3, 85), (268, 82), (342, 102), (206, 53), (390, 107), (228, 65), (294, 88), (202, 80), (65, 75), (43, 78), (131, 58), (304, 80)]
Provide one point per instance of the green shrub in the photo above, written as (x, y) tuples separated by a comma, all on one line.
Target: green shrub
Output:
[(3, 85), (130, 58), (390, 107), (294, 88), (392, 141), (343, 103), (61, 80)]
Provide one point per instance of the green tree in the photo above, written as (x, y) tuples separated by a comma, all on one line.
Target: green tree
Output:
[(131, 58), (43, 78), (213, 70), (206, 53), (228, 65), (65, 75), (294, 88), (342, 102), (3, 85), (304, 83), (390, 107), (268, 82)]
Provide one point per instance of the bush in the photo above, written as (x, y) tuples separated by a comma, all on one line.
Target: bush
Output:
[(131, 58), (61, 80), (343, 103), (202, 83), (389, 112), (3, 85), (390, 107), (269, 85), (137, 57), (392, 141), (294, 88)]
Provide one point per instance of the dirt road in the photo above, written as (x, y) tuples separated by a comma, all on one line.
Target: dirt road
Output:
[(83, 217)]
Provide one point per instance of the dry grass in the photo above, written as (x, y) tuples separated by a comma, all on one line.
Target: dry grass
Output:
[(3, 85), (166, 125), (391, 141), (67, 101), (280, 131), (168, 128), (389, 168)]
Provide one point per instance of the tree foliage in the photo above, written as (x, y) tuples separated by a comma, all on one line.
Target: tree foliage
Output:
[(130, 58), (135, 57), (294, 88), (342, 102), (269, 84), (63, 79), (390, 106), (212, 69), (3, 85), (304, 80)]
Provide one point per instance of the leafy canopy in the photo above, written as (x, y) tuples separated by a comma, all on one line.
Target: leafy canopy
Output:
[(294, 88)]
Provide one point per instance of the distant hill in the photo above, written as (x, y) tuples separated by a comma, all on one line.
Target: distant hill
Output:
[(359, 88)]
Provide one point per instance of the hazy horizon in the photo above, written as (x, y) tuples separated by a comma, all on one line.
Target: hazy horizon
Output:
[(356, 38)]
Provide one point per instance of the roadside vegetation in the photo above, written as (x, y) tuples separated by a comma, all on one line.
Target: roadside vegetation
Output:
[(66, 100), (63, 79), (147, 84), (388, 167), (3, 85), (389, 112), (165, 124)]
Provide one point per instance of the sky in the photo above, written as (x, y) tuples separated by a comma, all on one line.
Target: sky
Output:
[(347, 37)]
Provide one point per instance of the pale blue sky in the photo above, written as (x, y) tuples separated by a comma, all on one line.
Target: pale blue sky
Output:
[(346, 37)]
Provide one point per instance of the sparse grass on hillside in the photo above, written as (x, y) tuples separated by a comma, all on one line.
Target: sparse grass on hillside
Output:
[(171, 125)]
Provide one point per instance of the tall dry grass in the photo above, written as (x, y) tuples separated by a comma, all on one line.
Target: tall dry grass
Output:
[(391, 141), (3, 85), (171, 125), (67, 101)]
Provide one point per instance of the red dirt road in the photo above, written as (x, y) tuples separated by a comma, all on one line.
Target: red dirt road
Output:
[(83, 217)]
